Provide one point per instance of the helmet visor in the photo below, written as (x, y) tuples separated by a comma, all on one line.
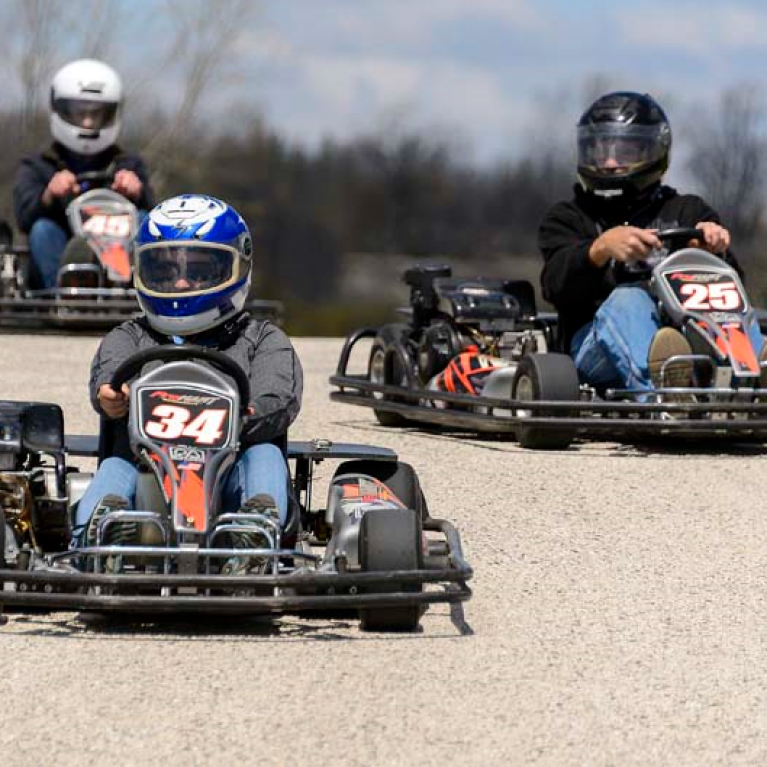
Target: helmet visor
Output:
[(183, 269), (617, 148), (85, 114)]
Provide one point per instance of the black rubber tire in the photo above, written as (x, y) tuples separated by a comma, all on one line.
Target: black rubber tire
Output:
[(385, 366), (2, 542), (149, 497), (551, 377), (398, 476), (390, 539), (77, 251)]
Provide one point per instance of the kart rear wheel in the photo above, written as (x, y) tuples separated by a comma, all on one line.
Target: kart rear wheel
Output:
[(386, 368), (390, 539), (398, 476), (550, 377)]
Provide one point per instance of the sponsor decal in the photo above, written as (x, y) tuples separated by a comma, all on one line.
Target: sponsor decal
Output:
[(182, 399), (695, 276), (186, 453)]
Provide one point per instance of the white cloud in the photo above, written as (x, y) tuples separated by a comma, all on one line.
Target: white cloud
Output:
[(694, 29), (374, 25)]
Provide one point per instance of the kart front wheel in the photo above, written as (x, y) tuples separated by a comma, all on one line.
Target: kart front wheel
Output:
[(386, 368), (545, 377), (390, 539)]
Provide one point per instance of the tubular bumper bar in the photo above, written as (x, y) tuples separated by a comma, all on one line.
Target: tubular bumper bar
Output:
[(293, 592)]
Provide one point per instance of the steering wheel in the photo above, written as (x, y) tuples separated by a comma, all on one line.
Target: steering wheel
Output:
[(678, 237), (130, 367), (95, 178)]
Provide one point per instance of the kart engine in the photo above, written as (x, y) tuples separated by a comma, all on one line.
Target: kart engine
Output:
[(16, 506), (33, 515), (442, 341)]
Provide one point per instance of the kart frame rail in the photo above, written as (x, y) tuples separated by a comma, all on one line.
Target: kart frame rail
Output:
[(609, 418), (54, 584), (92, 308), (58, 589)]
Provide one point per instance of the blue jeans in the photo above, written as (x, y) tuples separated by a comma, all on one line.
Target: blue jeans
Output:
[(47, 241), (613, 349), (260, 469)]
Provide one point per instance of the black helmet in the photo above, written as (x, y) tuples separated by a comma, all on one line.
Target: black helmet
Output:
[(623, 144)]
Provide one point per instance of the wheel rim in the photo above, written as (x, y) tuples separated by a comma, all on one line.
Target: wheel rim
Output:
[(525, 392), (378, 370)]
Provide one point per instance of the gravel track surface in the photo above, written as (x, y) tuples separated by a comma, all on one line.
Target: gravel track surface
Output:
[(618, 618)]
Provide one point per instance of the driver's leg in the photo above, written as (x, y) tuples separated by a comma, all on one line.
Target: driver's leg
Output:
[(47, 241), (115, 477), (260, 470), (614, 349)]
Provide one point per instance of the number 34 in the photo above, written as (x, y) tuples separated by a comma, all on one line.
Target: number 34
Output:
[(174, 422)]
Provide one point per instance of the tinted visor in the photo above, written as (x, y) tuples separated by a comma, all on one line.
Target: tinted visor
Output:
[(175, 269), (614, 146), (89, 115)]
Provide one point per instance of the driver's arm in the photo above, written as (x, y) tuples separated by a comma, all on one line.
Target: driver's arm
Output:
[(569, 277), (695, 212), (117, 346), (276, 384), (28, 187), (144, 198), (623, 244)]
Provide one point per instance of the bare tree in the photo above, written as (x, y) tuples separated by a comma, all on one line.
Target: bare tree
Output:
[(96, 38), (31, 52), (206, 31), (728, 159)]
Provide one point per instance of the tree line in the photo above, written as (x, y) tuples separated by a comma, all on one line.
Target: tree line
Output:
[(389, 194)]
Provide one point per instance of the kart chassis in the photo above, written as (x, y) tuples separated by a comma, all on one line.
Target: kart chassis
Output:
[(300, 579)]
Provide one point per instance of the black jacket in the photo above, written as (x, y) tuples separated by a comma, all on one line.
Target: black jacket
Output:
[(36, 171), (260, 348), (569, 280)]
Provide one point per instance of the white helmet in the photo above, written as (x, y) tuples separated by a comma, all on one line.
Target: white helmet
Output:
[(85, 106)]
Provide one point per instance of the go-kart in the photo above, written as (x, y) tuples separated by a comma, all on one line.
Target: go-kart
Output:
[(94, 284), (373, 548), (476, 355)]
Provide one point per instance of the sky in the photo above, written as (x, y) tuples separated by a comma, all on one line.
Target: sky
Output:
[(489, 73), (490, 76)]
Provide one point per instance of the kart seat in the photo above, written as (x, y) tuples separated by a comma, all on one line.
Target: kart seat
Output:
[(524, 292), (6, 236)]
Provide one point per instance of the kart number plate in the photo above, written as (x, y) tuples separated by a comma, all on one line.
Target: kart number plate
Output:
[(704, 291), (105, 225), (184, 416)]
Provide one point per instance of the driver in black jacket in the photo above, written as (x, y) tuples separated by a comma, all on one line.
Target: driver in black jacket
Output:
[(595, 245), (86, 97)]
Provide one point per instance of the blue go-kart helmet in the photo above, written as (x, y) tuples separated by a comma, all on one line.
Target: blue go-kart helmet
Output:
[(193, 256)]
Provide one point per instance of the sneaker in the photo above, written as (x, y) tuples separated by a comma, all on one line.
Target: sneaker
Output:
[(257, 504), (668, 343), (122, 533)]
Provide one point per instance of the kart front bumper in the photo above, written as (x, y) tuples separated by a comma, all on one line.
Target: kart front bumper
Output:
[(62, 588), (738, 417)]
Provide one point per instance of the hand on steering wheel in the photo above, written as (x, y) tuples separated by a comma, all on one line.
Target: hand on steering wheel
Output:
[(715, 238), (623, 244)]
